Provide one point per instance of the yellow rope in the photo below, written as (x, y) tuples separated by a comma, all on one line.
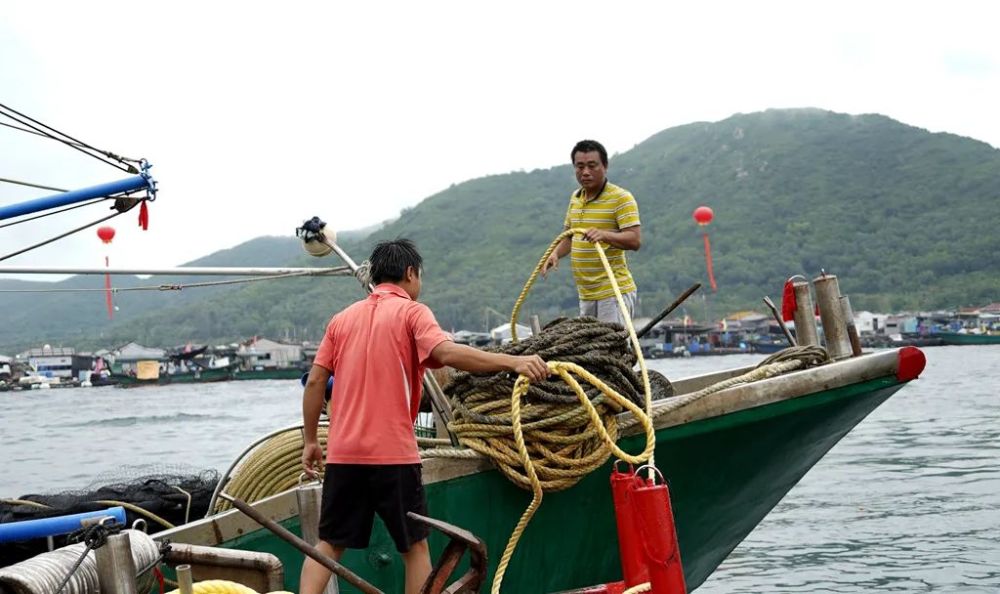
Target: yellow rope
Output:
[(138, 510), (24, 502), (272, 467), (618, 297), (563, 369), (222, 587)]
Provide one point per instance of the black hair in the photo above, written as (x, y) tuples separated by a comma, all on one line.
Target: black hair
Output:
[(390, 259), (587, 146)]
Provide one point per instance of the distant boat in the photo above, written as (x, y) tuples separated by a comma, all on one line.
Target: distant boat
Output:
[(768, 347), (956, 338), (220, 374)]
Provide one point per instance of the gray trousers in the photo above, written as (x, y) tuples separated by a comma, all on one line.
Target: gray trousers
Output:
[(607, 310)]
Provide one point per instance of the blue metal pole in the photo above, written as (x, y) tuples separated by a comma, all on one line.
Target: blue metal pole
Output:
[(131, 184), (29, 529)]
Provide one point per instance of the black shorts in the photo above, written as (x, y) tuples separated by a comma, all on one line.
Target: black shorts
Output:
[(354, 493)]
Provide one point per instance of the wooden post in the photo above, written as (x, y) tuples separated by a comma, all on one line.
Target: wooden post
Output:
[(852, 328), (805, 316), (831, 314)]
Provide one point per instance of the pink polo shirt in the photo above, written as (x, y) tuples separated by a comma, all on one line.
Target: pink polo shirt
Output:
[(378, 349)]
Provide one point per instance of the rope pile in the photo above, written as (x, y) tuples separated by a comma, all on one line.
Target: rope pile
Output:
[(561, 437), (45, 573), (272, 467), (563, 449), (808, 355)]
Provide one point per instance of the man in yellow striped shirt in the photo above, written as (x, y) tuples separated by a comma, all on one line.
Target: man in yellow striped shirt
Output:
[(610, 215)]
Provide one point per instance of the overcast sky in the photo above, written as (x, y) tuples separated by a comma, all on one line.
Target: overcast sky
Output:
[(259, 115)]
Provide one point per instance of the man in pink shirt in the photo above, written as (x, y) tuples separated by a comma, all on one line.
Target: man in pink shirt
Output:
[(379, 349)]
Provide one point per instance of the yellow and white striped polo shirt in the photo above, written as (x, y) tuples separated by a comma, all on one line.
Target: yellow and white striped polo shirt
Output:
[(614, 209)]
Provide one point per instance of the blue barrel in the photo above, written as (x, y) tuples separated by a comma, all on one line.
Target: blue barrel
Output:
[(29, 529)]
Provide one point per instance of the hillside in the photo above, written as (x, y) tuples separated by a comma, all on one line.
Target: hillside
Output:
[(905, 218)]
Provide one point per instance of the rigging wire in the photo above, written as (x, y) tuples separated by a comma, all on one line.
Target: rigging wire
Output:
[(74, 143), (68, 233), (181, 286), (48, 214), (31, 185), (30, 131)]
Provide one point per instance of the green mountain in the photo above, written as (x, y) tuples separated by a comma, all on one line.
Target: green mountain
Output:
[(905, 218)]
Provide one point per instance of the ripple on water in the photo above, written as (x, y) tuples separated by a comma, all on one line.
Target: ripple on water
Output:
[(128, 421), (907, 502)]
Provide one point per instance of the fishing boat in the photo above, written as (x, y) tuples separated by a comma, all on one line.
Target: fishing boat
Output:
[(199, 376), (269, 373), (731, 444), (964, 339), (729, 458), (768, 347)]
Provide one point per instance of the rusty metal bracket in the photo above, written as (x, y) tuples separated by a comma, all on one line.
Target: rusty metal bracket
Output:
[(460, 540)]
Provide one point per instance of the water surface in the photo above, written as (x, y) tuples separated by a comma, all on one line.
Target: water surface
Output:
[(908, 502)]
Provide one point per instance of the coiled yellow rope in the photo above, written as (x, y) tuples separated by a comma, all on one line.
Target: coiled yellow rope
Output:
[(272, 467), (564, 371), (222, 587)]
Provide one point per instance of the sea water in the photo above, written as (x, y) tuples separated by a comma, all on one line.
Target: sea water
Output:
[(909, 501)]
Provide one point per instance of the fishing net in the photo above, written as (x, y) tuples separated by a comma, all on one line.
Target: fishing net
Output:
[(161, 495)]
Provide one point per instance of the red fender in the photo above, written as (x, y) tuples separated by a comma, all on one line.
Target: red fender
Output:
[(655, 524), (634, 570)]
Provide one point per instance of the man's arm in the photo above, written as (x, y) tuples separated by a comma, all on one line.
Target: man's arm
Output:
[(629, 238), (561, 250), (470, 359), (312, 406)]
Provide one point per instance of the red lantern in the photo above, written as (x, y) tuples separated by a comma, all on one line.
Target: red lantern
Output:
[(703, 215), (106, 234)]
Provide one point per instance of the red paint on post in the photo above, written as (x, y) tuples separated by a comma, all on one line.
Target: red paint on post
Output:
[(788, 304)]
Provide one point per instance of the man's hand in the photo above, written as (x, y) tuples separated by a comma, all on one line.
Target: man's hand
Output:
[(551, 264), (312, 458), (532, 366), (594, 234)]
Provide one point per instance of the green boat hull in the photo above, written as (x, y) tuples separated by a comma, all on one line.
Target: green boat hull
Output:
[(207, 375), (952, 338), (725, 474), (287, 373), (211, 375)]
